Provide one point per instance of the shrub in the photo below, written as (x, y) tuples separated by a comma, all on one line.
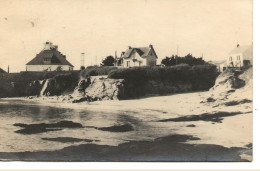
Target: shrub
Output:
[(95, 71), (196, 75)]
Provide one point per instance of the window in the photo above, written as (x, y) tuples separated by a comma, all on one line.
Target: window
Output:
[(127, 63), (238, 57), (230, 58)]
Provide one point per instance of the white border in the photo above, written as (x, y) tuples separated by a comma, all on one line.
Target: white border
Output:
[(170, 165)]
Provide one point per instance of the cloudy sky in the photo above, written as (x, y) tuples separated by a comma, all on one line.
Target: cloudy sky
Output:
[(101, 27)]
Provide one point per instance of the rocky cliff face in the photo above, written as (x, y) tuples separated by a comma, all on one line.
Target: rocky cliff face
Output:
[(99, 88), (34, 88), (231, 85), (58, 85)]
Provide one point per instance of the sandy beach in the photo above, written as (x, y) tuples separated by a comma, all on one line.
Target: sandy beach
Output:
[(180, 114)]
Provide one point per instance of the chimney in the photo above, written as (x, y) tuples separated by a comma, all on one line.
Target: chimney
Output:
[(129, 47), (237, 45), (115, 54), (82, 60), (47, 45), (151, 46)]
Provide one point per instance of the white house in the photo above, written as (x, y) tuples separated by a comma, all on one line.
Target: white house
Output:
[(241, 56), (49, 59), (137, 56), (220, 65)]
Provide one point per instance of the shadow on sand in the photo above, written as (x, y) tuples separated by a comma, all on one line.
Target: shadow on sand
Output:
[(68, 139), (43, 127), (213, 117), (170, 148)]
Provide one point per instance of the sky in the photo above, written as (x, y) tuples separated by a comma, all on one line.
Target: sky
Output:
[(101, 27)]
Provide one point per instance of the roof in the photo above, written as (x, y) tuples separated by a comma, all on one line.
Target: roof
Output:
[(2, 71), (241, 49), (142, 51), (217, 62), (56, 58)]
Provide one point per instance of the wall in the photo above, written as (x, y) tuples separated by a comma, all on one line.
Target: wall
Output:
[(236, 62), (248, 55), (151, 60), (49, 67)]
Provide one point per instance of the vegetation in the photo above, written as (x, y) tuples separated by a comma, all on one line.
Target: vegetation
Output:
[(82, 68), (16, 84), (31, 76), (109, 61), (188, 59), (201, 77), (96, 70)]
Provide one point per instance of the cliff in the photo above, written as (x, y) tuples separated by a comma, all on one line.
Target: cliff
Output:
[(99, 88), (23, 84), (235, 86)]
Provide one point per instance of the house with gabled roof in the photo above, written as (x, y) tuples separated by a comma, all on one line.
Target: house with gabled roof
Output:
[(241, 56), (138, 56), (49, 59), (2, 71)]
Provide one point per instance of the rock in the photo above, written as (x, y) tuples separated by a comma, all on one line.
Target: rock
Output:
[(98, 89), (210, 99), (34, 87), (59, 85), (225, 84), (48, 87), (106, 89), (191, 125), (231, 86)]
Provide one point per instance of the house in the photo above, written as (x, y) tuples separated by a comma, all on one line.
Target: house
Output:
[(137, 56), (221, 65), (2, 71), (241, 56), (49, 59)]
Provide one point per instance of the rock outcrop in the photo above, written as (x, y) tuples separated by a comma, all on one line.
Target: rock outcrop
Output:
[(98, 88), (59, 85), (34, 87), (230, 83)]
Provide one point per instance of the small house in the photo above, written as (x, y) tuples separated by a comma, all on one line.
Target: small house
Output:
[(241, 56), (137, 56), (49, 59), (220, 65)]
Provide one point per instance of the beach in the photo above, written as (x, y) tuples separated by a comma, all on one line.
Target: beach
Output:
[(205, 126)]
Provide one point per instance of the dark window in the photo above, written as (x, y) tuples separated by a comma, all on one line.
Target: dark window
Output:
[(127, 63)]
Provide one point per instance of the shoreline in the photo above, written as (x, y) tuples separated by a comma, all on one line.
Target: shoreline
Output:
[(235, 120)]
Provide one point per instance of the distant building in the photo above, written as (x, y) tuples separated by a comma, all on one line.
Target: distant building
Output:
[(221, 65), (2, 71), (137, 56), (241, 56), (49, 59)]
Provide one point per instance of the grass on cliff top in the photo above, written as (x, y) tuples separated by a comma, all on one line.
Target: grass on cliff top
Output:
[(96, 70), (32, 76), (182, 73)]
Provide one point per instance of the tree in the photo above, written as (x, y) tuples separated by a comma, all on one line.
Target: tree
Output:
[(109, 61), (188, 59), (82, 68)]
